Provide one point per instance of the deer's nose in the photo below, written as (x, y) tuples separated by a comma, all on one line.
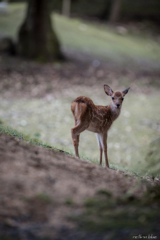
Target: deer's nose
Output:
[(118, 104)]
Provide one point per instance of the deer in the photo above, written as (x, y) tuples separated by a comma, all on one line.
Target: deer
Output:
[(96, 118)]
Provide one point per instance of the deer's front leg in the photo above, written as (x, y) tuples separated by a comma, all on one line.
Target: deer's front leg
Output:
[(100, 143), (100, 158), (105, 149)]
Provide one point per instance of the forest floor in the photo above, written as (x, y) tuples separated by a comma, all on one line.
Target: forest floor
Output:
[(47, 194), (36, 99), (50, 195), (42, 191)]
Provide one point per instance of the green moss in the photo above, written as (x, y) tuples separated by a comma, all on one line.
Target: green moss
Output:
[(152, 160), (104, 193), (107, 213), (34, 141), (69, 202), (42, 197), (45, 198)]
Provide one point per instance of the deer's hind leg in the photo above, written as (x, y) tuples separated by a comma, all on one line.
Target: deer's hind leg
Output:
[(79, 111), (75, 133)]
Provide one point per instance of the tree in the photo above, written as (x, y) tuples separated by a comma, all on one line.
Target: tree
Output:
[(66, 5), (36, 38), (115, 11)]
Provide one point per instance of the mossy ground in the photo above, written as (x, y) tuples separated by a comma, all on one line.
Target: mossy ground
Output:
[(126, 214)]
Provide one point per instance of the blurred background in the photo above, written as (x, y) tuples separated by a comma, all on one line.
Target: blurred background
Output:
[(53, 51)]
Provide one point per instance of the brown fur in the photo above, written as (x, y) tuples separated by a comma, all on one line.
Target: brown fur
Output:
[(95, 118)]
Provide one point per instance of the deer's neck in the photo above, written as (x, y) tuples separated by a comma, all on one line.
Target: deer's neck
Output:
[(114, 111)]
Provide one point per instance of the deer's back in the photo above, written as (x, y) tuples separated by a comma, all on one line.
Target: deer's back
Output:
[(96, 116)]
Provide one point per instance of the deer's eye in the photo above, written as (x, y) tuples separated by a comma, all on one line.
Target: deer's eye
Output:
[(112, 98), (122, 98)]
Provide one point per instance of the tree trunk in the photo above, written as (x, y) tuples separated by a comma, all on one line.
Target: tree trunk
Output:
[(115, 11), (36, 39), (66, 5)]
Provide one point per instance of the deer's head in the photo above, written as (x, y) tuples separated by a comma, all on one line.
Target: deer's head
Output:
[(117, 96)]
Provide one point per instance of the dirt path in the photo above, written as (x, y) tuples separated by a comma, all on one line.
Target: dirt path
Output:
[(40, 186)]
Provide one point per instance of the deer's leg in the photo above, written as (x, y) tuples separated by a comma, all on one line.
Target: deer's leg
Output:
[(76, 144), (105, 149), (100, 143), (75, 132), (100, 158)]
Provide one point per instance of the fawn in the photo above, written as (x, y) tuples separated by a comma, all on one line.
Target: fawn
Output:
[(95, 118)]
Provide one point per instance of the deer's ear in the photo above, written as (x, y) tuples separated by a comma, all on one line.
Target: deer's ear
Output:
[(108, 90), (125, 91)]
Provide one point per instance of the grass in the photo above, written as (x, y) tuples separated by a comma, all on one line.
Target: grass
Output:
[(104, 42), (10, 22), (125, 214), (128, 139), (4, 129), (95, 39), (139, 121), (45, 198)]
